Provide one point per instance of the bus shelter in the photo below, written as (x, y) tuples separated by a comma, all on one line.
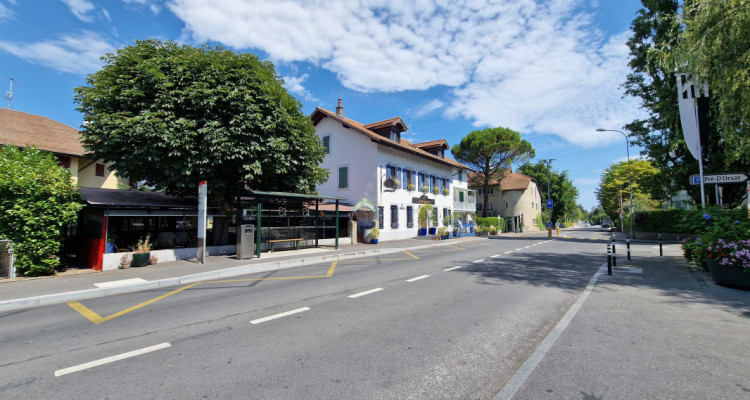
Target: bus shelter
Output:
[(284, 220)]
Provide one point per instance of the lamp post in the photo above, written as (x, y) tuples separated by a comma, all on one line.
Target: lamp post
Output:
[(549, 196), (630, 175)]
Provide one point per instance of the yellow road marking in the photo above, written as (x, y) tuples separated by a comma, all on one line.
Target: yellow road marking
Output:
[(456, 247), (98, 319), (415, 257)]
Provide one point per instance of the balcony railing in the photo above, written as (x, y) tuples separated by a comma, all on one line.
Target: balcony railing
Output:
[(464, 206)]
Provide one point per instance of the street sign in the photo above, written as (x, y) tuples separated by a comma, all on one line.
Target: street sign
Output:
[(549, 224), (719, 178), (550, 203)]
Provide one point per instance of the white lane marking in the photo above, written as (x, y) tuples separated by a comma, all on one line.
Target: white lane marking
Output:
[(124, 282), (365, 293), (518, 249), (526, 247), (508, 252), (452, 268), (478, 261), (107, 360), (284, 314), (417, 278), (495, 256), (518, 379), (631, 270)]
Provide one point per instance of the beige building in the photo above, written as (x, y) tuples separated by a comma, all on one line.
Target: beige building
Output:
[(22, 129), (515, 197)]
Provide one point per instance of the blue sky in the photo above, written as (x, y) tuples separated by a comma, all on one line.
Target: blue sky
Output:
[(550, 69)]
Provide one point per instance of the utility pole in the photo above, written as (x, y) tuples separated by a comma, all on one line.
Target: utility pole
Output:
[(549, 196)]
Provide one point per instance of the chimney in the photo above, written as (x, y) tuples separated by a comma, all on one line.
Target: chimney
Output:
[(340, 110)]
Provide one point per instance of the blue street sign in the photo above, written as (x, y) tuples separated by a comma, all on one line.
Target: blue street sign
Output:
[(549, 203), (549, 224), (695, 179)]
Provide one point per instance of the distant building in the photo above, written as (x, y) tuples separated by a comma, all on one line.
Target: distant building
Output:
[(515, 197), (387, 178), (24, 130)]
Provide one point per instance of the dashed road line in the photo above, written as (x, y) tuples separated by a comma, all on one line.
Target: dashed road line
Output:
[(280, 315), (478, 261), (107, 360), (508, 252), (417, 278), (365, 293), (123, 282), (453, 268), (495, 256)]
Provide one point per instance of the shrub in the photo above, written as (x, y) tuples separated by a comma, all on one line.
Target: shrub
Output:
[(37, 200)]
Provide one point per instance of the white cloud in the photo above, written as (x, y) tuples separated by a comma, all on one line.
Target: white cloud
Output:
[(75, 53), (5, 12), (531, 65), (152, 5), (294, 85), (81, 9), (430, 107)]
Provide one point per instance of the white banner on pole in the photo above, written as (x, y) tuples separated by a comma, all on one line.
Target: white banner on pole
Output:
[(202, 208), (688, 92)]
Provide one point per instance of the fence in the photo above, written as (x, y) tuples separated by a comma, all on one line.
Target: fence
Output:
[(7, 271)]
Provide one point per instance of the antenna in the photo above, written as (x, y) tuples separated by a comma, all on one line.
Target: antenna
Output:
[(9, 94)]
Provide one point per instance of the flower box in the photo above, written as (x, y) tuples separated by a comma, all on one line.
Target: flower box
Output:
[(730, 275)]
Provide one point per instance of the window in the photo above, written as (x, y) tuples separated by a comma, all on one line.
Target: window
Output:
[(381, 217), (99, 169), (461, 197), (408, 178), (394, 136), (490, 207), (394, 217), (391, 172), (63, 161), (432, 183), (440, 153), (343, 177), (460, 175), (421, 181), (327, 144), (409, 217)]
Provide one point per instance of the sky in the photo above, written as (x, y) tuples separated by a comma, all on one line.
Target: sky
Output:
[(550, 69)]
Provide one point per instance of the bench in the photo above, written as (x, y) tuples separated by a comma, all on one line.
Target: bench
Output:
[(296, 242)]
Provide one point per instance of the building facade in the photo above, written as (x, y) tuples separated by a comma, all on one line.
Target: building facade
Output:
[(22, 129), (515, 197), (388, 179)]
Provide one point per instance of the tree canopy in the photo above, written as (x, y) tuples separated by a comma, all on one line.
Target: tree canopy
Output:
[(173, 115), (489, 152), (615, 187), (37, 200), (562, 191), (662, 44)]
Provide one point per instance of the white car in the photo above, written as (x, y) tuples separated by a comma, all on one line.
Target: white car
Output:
[(606, 228)]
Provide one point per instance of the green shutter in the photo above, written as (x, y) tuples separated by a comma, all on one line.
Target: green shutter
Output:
[(343, 177)]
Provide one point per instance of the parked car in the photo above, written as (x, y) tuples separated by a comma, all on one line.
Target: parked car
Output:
[(606, 228)]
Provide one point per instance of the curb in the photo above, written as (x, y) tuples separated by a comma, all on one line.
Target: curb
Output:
[(65, 297)]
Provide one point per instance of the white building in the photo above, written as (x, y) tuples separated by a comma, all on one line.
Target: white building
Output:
[(388, 179)]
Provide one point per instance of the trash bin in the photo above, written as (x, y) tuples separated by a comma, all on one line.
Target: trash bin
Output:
[(245, 242)]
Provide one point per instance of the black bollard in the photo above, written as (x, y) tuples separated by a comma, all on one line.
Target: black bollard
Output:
[(661, 250), (614, 253), (628, 244), (609, 260)]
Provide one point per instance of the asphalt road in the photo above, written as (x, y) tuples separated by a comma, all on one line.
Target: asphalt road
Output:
[(450, 322)]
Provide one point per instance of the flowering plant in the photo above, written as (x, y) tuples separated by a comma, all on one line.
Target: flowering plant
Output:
[(730, 252)]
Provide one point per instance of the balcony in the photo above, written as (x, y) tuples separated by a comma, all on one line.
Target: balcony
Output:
[(464, 200)]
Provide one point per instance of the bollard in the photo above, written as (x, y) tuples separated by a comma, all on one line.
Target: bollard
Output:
[(549, 232), (558, 231), (661, 251), (609, 260), (628, 244), (614, 252)]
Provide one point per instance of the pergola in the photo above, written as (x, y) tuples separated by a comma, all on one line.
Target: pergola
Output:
[(260, 200)]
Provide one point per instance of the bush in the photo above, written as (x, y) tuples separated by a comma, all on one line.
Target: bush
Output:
[(37, 200), (712, 226), (682, 221)]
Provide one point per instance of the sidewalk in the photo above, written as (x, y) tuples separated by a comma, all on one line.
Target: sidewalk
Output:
[(31, 292), (655, 330)]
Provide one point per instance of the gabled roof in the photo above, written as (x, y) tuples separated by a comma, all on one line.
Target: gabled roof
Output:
[(440, 143), (22, 129), (388, 122), (510, 181), (403, 145)]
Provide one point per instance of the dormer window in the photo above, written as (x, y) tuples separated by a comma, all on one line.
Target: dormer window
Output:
[(394, 136), (441, 153)]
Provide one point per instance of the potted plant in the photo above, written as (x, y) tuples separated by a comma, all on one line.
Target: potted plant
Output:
[(142, 252), (410, 186), (153, 260), (422, 219), (443, 233), (435, 190), (446, 191), (125, 261), (425, 188), (478, 230), (492, 229), (396, 183), (374, 235), (729, 262)]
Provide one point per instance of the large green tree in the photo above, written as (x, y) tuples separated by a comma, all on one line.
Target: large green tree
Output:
[(172, 115), (489, 152), (37, 200), (562, 191), (715, 45), (657, 33), (614, 189)]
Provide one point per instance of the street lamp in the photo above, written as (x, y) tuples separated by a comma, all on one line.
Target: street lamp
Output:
[(549, 210), (630, 176)]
